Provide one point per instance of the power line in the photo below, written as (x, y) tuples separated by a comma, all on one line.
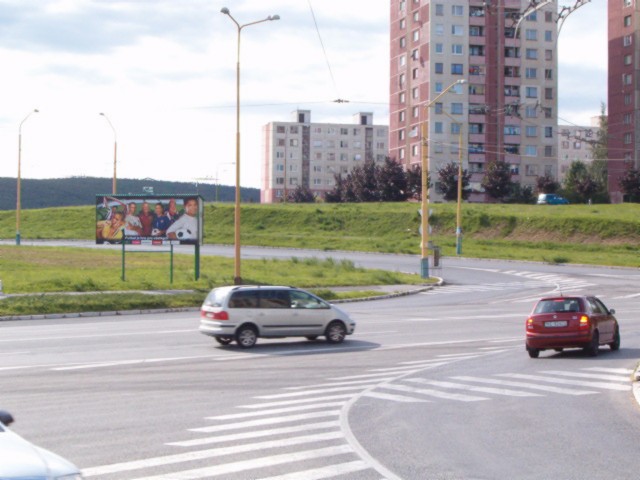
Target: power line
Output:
[(324, 51)]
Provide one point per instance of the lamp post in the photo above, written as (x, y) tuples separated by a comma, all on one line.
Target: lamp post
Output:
[(115, 153), (424, 246), (237, 278), (19, 184)]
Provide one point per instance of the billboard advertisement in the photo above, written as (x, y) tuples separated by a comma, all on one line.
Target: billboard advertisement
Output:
[(149, 219)]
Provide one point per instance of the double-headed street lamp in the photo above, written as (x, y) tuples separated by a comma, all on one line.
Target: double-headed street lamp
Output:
[(424, 246), (19, 184), (115, 153), (237, 278)]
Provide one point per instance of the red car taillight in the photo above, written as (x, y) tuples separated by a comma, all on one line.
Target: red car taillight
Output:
[(221, 315), (584, 321), (530, 324)]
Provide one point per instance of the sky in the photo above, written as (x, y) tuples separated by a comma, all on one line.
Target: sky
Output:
[(163, 72)]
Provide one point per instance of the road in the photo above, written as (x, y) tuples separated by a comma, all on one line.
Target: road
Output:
[(435, 385)]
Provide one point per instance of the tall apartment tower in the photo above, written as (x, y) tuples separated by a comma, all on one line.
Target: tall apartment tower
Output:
[(507, 105), (302, 153), (624, 93)]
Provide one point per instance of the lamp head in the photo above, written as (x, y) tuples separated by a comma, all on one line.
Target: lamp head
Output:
[(273, 17), (224, 10), (462, 81), (35, 110)]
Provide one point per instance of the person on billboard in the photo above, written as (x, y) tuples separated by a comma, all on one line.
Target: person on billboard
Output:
[(186, 227), (146, 219), (113, 229), (133, 226), (172, 211), (160, 221)]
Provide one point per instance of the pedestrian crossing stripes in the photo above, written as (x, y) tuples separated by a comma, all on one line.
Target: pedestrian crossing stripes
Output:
[(298, 432)]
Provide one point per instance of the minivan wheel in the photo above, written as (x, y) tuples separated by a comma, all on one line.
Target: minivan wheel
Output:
[(533, 352), (335, 332), (224, 340), (246, 336)]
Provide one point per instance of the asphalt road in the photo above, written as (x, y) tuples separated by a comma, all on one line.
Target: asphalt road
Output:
[(432, 386)]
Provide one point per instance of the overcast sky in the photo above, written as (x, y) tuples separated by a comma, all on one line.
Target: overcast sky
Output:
[(163, 72)]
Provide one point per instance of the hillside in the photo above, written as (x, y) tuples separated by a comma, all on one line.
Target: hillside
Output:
[(597, 234), (64, 192)]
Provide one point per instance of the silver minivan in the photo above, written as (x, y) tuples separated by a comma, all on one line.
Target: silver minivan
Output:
[(246, 313)]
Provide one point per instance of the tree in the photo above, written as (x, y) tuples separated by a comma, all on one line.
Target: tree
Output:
[(392, 182), (365, 184), (580, 186), (414, 182), (630, 184), (497, 180), (302, 194), (447, 184), (521, 194), (547, 184), (599, 148)]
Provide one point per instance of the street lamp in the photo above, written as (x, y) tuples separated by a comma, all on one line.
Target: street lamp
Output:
[(237, 278), (424, 246), (115, 153), (19, 184)]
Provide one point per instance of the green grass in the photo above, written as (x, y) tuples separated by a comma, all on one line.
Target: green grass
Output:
[(585, 234)]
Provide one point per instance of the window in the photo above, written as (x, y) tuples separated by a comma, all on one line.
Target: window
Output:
[(400, 134), (439, 9), (548, 74), (476, 89), (532, 53), (531, 92), (456, 49), (548, 55), (401, 98), (401, 80), (531, 151), (531, 131), (345, 131), (548, 112), (415, 92), (477, 50), (456, 128), (415, 35), (457, 30), (532, 17), (415, 73), (457, 10), (548, 93), (476, 69), (511, 130), (476, 31), (548, 16), (548, 132), (438, 107), (627, 3), (402, 60), (627, 138), (531, 112), (456, 108), (531, 34), (511, 90), (293, 129), (415, 112), (415, 54), (403, 42), (439, 29), (476, 12), (293, 142), (456, 68), (344, 144), (548, 152), (439, 48), (627, 99), (439, 67), (512, 72), (476, 128), (531, 170), (627, 79), (531, 72), (280, 129), (401, 115), (438, 128), (628, 59), (627, 21), (627, 119), (627, 40), (415, 150), (548, 36), (514, 169), (403, 24), (512, 149)]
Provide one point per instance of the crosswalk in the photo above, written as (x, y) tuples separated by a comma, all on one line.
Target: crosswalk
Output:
[(302, 432), (526, 280)]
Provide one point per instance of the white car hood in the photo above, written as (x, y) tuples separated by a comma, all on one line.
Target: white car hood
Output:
[(20, 459)]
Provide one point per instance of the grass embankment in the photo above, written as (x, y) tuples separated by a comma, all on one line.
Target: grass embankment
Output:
[(48, 270), (587, 234)]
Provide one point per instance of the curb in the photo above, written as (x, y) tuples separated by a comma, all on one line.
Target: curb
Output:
[(48, 316)]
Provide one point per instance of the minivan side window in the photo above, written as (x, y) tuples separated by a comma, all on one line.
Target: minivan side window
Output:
[(244, 299), (304, 300), (274, 299)]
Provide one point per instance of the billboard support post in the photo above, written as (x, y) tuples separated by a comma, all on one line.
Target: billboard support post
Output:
[(123, 250), (171, 266), (197, 262)]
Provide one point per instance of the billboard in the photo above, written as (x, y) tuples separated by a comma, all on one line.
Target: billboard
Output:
[(149, 219)]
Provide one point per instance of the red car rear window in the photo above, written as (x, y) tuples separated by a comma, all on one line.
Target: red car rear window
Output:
[(557, 305)]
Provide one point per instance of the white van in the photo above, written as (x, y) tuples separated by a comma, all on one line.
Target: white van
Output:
[(246, 313)]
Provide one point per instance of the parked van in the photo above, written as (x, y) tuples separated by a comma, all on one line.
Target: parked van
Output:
[(246, 313), (551, 199)]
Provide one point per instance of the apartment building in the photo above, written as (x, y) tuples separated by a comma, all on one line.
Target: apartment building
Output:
[(575, 143), (311, 154), (623, 92), (504, 51)]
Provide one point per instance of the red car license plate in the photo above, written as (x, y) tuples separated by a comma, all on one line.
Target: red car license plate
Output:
[(555, 324)]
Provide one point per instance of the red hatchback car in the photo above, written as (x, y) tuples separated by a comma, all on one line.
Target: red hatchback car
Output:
[(571, 322)]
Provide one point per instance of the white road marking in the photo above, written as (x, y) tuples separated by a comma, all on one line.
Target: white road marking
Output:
[(565, 381), (595, 376), (460, 386), (532, 386), (275, 411), (329, 471), (434, 393), (255, 463), (297, 401), (395, 398), (256, 434), (265, 421), (340, 384)]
